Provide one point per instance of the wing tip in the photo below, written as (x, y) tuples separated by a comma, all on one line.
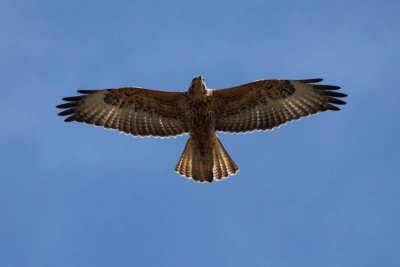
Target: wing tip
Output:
[(313, 80), (327, 91), (336, 101), (327, 87), (87, 92), (334, 94), (67, 105), (67, 112), (332, 107), (70, 118), (72, 98), (71, 103)]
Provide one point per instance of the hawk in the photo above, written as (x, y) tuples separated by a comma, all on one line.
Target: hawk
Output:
[(201, 112)]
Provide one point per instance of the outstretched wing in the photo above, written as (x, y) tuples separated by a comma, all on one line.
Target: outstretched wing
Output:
[(266, 104), (131, 110)]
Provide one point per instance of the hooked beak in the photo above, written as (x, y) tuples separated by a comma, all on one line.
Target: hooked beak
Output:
[(197, 80), (198, 84)]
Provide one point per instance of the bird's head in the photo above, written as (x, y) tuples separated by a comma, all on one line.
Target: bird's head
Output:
[(197, 88)]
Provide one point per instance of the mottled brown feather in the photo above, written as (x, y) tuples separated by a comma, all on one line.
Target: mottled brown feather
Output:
[(266, 104), (131, 110), (260, 105)]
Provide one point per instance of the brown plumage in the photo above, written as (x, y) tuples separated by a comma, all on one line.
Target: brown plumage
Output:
[(260, 105)]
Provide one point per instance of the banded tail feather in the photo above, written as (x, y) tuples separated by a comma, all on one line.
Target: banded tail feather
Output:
[(215, 165)]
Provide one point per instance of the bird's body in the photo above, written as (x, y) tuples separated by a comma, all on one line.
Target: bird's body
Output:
[(200, 116), (203, 157), (201, 112), (201, 122)]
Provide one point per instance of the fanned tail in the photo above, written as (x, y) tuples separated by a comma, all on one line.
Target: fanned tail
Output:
[(223, 163), (217, 164)]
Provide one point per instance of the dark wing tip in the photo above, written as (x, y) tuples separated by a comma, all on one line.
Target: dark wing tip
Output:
[(70, 105), (70, 118), (331, 98), (67, 105), (72, 98), (315, 80), (87, 92), (336, 101), (332, 107), (327, 87), (67, 112), (334, 94)]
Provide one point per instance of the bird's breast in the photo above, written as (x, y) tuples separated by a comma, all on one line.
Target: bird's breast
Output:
[(201, 119)]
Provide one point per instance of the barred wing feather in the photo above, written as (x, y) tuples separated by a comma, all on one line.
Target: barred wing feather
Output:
[(266, 104), (132, 110)]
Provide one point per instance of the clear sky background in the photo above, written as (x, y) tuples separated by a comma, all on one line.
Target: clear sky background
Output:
[(323, 191)]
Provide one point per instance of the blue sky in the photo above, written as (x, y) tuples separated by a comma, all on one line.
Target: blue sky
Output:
[(322, 191)]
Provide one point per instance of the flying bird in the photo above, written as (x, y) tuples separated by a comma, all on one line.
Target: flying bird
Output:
[(201, 112)]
